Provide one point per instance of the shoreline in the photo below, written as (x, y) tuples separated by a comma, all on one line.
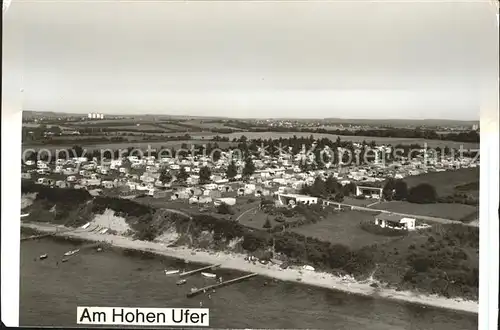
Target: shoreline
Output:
[(236, 262)]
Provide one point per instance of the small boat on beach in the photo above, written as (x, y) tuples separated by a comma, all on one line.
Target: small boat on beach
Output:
[(194, 289), (171, 272), (43, 256), (209, 275), (181, 282), (70, 253), (24, 215), (65, 259), (309, 268)]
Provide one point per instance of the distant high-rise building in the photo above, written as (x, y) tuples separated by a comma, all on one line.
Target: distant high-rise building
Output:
[(94, 115)]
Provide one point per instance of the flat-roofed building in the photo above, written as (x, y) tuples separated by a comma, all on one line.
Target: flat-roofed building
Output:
[(394, 221), (295, 199)]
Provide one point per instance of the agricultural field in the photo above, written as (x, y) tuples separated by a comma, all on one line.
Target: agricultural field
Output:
[(209, 125), (446, 183), (378, 140), (142, 127), (344, 228), (437, 210)]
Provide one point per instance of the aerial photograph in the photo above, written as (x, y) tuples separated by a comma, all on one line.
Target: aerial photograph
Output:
[(305, 165)]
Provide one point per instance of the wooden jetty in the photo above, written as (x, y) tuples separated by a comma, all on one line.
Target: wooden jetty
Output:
[(199, 270), (218, 285), (37, 236)]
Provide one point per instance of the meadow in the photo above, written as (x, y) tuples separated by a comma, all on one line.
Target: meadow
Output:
[(344, 228), (447, 182), (439, 210), (250, 216)]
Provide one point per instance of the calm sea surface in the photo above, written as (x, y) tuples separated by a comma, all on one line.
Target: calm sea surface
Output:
[(51, 291)]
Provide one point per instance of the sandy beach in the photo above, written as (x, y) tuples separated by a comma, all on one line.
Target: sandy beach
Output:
[(237, 262)]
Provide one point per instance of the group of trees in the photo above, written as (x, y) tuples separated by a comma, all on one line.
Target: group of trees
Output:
[(395, 190), (329, 188), (423, 193), (231, 171), (249, 168)]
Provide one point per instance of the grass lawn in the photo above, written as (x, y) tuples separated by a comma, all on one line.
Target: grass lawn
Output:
[(254, 218), (344, 228), (447, 182), (438, 210)]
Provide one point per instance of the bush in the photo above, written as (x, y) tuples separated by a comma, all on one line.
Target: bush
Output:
[(420, 265), (223, 208)]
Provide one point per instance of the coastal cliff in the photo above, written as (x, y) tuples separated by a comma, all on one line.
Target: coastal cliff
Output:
[(440, 266)]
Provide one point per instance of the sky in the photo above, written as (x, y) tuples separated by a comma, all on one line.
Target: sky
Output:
[(408, 60)]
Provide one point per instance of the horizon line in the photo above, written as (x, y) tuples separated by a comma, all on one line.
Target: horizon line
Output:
[(251, 118)]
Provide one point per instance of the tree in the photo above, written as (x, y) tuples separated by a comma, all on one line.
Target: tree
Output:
[(231, 171), (423, 193), (165, 176), (400, 190), (395, 189), (267, 224), (182, 175), (305, 165), (77, 151), (339, 197), (389, 189), (318, 189), (205, 175), (223, 208), (332, 185), (249, 167), (349, 189)]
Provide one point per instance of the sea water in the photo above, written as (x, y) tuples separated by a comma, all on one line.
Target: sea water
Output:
[(50, 292)]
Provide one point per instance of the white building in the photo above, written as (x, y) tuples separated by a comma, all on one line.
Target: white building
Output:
[(389, 220), (295, 199), (372, 192), (94, 115)]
